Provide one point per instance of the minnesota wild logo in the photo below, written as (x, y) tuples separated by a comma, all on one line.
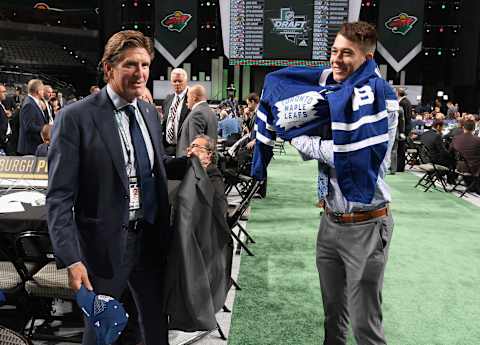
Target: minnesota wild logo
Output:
[(401, 24), (177, 21)]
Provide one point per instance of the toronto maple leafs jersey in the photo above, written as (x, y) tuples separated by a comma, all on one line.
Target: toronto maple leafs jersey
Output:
[(299, 101)]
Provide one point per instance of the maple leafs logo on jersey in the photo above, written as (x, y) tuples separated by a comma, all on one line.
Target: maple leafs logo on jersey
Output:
[(297, 110)]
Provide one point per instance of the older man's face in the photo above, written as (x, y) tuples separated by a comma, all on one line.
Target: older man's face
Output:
[(199, 148), (129, 75), (179, 82), (47, 92)]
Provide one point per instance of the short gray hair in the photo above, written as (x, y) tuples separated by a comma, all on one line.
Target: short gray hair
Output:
[(34, 85), (179, 70), (211, 146)]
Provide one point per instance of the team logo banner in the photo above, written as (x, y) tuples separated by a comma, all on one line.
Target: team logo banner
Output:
[(288, 29), (400, 31), (175, 29)]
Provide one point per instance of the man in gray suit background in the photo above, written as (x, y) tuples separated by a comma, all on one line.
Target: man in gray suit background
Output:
[(200, 120), (175, 110)]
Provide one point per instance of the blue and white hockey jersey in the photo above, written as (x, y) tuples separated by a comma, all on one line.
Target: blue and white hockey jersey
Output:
[(299, 101)]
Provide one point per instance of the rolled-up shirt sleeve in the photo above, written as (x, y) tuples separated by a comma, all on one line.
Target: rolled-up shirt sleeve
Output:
[(314, 148)]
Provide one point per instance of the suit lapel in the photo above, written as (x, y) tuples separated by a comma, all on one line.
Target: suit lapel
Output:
[(152, 123), (104, 119), (183, 113)]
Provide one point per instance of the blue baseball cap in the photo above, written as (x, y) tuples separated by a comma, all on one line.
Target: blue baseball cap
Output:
[(105, 314)]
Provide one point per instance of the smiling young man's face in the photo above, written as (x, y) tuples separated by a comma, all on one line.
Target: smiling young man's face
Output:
[(346, 57)]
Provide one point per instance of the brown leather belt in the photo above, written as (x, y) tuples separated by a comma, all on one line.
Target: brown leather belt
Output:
[(356, 217)]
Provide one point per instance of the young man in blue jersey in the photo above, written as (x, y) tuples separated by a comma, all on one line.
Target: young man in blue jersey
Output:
[(354, 234)]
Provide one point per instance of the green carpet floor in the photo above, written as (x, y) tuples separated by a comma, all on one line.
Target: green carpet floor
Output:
[(432, 283)]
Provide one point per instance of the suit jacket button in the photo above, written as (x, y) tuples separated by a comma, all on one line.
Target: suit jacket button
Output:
[(125, 196)]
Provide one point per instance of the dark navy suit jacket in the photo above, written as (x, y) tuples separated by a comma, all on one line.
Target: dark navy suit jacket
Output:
[(32, 121), (87, 173)]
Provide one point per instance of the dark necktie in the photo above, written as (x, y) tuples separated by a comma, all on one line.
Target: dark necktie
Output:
[(173, 114), (142, 166)]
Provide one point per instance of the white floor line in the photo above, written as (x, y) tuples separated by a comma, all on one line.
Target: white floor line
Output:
[(472, 198)]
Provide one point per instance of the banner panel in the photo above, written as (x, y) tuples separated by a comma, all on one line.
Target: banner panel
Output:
[(175, 29), (400, 31)]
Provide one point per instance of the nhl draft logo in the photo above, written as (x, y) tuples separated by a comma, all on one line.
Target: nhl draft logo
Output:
[(177, 21), (401, 24), (294, 28), (297, 110)]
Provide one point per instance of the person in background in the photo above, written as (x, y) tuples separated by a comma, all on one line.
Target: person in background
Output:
[(94, 89), (175, 110), (452, 110), (18, 97), (3, 119), (48, 94), (32, 119), (147, 97), (229, 127), (432, 139), (42, 149), (55, 106), (200, 120), (468, 146), (231, 102), (61, 101), (400, 136), (405, 119)]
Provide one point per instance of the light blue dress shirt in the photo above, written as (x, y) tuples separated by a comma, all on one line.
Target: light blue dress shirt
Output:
[(322, 150)]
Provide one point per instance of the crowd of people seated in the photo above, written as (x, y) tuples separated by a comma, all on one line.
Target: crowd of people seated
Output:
[(448, 137)]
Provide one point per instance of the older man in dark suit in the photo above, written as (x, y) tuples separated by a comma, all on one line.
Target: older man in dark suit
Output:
[(469, 147), (32, 119), (432, 139), (200, 120), (175, 110), (107, 163)]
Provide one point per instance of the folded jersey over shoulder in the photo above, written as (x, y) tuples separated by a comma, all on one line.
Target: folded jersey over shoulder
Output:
[(298, 101)]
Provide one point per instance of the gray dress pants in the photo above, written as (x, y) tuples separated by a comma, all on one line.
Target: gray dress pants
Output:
[(351, 261)]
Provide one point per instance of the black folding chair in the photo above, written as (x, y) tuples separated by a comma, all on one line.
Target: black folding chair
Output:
[(45, 283), (13, 275), (279, 147), (432, 172), (234, 216), (411, 153), (465, 177)]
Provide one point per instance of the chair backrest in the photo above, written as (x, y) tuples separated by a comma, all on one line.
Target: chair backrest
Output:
[(34, 247), (9, 337), (424, 154), (8, 256), (240, 209)]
